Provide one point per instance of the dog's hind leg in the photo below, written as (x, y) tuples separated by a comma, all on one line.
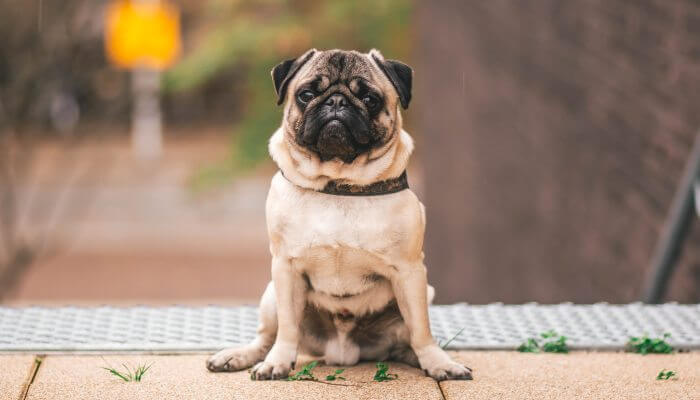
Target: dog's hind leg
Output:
[(238, 358)]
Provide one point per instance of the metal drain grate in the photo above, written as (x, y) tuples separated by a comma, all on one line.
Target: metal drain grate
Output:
[(181, 328), (597, 326)]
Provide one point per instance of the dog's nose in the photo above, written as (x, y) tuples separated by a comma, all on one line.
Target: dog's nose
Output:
[(337, 101)]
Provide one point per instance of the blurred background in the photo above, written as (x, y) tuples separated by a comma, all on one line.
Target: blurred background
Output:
[(551, 137)]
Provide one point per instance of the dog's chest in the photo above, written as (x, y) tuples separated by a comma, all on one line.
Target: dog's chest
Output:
[(339, 271), (338, 249), (304, 223), (341, 243)]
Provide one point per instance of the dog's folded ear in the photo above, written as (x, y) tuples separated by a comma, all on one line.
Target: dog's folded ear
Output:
[(283, 73), (400, 75)]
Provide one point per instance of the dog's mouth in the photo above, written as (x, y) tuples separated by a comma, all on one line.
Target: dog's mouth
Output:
[(343, 138), (335, 140)]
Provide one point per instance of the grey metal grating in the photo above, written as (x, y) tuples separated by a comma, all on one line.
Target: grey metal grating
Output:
[(182, 328), (597, 326)]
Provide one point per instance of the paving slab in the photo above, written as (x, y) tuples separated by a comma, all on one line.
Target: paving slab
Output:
[(578, 375), (185, 377), (15, 373)]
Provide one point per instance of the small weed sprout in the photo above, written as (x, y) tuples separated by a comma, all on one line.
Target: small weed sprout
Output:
[(444, 346), (665, 375), (127, 375), (382, 373), (306, 374), (551, 343), (647, 345), (336, 375), (529, 346), (554, 343)]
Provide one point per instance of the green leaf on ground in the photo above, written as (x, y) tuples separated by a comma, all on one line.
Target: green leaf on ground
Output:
[(529, 346), (305, 374), (552, 342), (336, 375), (665, 375), (647, 345), (382, 373), (557, 345)]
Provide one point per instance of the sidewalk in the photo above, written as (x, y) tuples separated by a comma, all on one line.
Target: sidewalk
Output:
[(497, 375)]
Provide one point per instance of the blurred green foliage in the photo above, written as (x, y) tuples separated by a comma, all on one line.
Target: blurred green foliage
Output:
[(253, 36)]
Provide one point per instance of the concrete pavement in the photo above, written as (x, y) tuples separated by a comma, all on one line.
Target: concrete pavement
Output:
[(498, 375)]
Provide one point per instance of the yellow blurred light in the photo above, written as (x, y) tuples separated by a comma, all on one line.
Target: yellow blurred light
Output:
[(142, 33)]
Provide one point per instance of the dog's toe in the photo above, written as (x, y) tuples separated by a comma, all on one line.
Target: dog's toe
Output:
[(261, 371), (438, 365), (265, 371), (234, 359), (465, 375), (216, 365), (450, 371)]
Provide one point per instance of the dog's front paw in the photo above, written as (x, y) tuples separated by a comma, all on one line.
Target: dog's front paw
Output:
[(438, 365), (235, 359), (449, 370), (279, 361), (266, 370)]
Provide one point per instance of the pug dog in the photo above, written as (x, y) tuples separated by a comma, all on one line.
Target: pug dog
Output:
[(346, 233)]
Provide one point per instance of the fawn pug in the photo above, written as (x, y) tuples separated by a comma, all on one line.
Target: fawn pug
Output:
[(346, 233)]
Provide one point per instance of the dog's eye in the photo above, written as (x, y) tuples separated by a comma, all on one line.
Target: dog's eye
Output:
[(306, 96), (371, 102)]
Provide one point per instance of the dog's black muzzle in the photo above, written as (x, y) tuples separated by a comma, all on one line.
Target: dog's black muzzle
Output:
[(336, 128)]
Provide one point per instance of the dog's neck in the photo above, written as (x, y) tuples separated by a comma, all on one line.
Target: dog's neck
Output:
[(306, 169)]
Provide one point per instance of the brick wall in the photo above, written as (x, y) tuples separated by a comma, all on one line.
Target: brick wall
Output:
[(554, 134)]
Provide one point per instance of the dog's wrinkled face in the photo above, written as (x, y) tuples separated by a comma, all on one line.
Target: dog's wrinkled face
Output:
[(342, 103)]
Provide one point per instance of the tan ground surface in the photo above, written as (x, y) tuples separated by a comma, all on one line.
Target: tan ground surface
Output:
[(14, 374), (185, 377), (498, 375), (508, 375)]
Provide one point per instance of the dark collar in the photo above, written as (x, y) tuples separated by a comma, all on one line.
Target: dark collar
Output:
[(388, 186)]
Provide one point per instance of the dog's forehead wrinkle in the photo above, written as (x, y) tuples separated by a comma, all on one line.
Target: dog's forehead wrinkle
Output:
[(341, 64), (338, 88), (338, 60), (351, 88), (323, 82)]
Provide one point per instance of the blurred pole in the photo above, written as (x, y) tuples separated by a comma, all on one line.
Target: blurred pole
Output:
[(143, 36), (674, 231), (146, 129), (697, 195)]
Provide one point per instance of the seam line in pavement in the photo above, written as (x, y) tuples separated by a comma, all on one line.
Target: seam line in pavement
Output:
[(439, 385), (38, 360)]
